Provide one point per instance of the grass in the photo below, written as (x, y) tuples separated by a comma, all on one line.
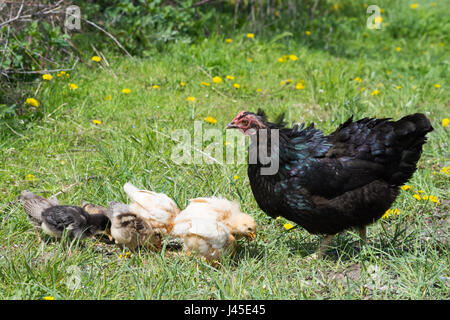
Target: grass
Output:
[(406, 256)]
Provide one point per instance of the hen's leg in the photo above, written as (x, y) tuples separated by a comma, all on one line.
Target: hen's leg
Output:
[(363, 234), (322, 247)]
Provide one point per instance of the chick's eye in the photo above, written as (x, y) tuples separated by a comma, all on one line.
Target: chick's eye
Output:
[(244, 122)]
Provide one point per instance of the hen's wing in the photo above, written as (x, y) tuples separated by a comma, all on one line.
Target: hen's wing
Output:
[(356, 154)]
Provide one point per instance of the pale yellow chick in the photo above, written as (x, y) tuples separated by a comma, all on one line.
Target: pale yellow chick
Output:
[(210, 226), (226, 212), (157, 209)]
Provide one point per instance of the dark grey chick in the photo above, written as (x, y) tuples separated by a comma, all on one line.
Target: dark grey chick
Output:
[(55, 219)]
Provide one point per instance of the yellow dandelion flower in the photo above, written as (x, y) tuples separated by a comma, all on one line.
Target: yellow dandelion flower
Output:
[(288, 226), (421, 191), (398, 49), (386, 214), (281, 59), (228, 40), (33, 102), (182, 83), (399, 87), (362, 89), (250, 59), (108, 97), (358, 79), (217, 80), (190, 99), (67, 75), (126, 91), (417, 196), (395, 211), (259, 90), (433, 199), (96, 122), (96, 58), (47, 77), (49, 298), (155, 86), (210, 119), (230, 77), (73, 86), (237, 85), (30, 177), (235, 177), (293, 57), (414, 6), (60, 74), (308, 33), (206, 84), (445, 122), (282, 82), (250, 35), (437, 86), (425, 197), (375, 93), (300, 86), (405, 187), (378, 19)]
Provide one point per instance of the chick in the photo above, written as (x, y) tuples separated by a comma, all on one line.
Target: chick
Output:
[(54, 219), (96, 209), (225, 211), (157, 209), (206, 237), (210, 226), (130, 230)]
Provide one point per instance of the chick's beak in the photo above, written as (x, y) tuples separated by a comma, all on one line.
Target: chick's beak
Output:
[(231, 125)]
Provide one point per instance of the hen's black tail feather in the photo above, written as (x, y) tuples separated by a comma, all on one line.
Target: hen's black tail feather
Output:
[(406, 138)]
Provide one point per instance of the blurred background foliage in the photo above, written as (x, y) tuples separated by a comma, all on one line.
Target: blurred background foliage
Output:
[(34, 40)]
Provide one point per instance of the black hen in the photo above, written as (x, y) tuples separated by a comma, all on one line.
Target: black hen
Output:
[(327, 184)]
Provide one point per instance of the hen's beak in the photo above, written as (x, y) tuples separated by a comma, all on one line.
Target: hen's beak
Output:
[(231, 125), (251, 236)]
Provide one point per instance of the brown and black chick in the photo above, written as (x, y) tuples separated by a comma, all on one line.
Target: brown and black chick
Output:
[(131, 230), (55, 219)]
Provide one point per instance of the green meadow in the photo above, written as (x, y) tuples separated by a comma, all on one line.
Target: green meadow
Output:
[(91, 136)]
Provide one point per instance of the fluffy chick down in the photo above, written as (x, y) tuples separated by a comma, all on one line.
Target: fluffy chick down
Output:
[(210, 226), (157, 209)]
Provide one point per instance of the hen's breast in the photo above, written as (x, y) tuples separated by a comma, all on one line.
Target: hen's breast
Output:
[(263, 191)]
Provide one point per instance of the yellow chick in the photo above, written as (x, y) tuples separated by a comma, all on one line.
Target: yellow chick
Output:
[(210, 226), (206, 237), (130, 230), (226, 212), (157, 209)]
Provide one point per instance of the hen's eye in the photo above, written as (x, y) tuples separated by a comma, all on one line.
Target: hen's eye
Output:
[(244, 122)]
